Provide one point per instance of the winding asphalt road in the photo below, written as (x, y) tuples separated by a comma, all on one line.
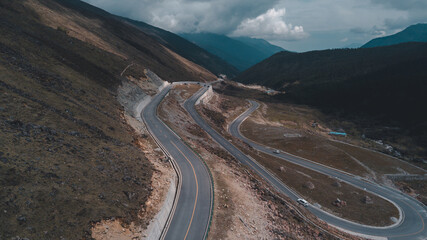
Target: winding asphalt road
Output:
[(413, 213), (190, 218)]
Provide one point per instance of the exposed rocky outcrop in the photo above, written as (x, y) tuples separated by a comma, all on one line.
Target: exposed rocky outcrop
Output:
[(309, 185), (367, 200), (339, 203)]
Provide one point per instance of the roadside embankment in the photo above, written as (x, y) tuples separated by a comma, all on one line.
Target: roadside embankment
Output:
[(206, 97), (134, 96)]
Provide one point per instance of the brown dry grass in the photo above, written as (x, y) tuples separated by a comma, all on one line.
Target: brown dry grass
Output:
[(75, 26), (187, 91), (415, 188), (224, 109), (279, 119), (68, 159), (194, 69), (326, 191), (129, 43), (380, 163), (307, 146)]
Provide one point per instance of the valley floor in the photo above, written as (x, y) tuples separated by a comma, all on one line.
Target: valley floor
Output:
[(303, 131), (244, 207)]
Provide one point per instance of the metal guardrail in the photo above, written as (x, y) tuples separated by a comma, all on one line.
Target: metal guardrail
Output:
[(177, 171), (206, 165)]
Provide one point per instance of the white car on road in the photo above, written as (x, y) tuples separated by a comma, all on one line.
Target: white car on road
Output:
[(302, 202)]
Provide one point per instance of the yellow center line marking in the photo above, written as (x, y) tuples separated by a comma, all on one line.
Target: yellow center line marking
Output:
[(197, 190)]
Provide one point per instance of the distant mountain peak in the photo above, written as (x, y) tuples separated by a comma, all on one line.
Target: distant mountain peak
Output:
[(241, 52), (413, 33)]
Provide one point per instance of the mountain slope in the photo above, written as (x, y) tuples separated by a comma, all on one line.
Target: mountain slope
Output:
[(385, 84), (260, 45), (239, 52), (110, 33), (67, 157), (187, 49), (286, 70), (414, 33)]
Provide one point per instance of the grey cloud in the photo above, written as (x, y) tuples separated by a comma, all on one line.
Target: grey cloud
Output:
[(415, 12), (357, 20), (375, 31), (270, 25), (402, 4), (358, 30), (402, 22), (218, 16)]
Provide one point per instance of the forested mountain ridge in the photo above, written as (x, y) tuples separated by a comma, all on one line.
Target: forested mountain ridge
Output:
[(385, 84), (241, 52)]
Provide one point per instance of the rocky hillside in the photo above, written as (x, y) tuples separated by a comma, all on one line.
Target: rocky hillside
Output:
[(187, 49), (67, 157), (111, 34)]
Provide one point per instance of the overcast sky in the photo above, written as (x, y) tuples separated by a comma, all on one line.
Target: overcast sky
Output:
[(297, 25)]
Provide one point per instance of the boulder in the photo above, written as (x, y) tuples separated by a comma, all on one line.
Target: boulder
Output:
[(339, 203), (336, 184), (367, 200), (22, 219), (309, 185)]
